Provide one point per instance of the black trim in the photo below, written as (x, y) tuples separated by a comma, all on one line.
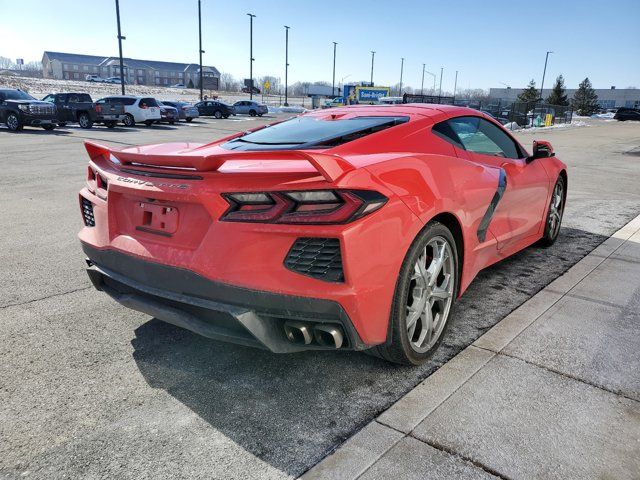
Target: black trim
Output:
[(486, 220), (212, 309), (146, 173)]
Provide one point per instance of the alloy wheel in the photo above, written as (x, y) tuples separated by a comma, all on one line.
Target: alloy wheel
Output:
[(555, 210), (12, 122), (430, 294)]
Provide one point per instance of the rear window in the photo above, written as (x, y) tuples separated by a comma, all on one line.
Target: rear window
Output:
[(307, 132), (148, 102), (80, 97)]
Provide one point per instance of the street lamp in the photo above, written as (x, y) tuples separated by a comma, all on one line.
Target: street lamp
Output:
[(286, 65), (373, 55), (120, 38), (440, 90), (401, 69), (434, 81), (455, 87), (200, 46), (544, 72), (333, 82), (422, 83), (251, 59)]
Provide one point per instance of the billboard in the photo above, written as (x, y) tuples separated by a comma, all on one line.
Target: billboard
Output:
[(371, 95), (322, 90)]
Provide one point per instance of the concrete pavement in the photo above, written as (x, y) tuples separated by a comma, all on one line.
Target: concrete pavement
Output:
[(551, 391)]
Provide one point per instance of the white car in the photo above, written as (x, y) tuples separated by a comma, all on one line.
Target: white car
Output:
[(94, 78), (137, 109)]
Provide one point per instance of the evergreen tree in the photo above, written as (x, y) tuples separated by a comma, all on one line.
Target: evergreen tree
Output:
[(558, 94), (585, 100), (529, 94)]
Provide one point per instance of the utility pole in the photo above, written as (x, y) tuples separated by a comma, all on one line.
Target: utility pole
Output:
[(422, 83), (286, 65), (544, 72), (200, 46), (440, 89), (251, 59), (333, 82), (373, 55), (455, 86), (120, 38), (401, 70)]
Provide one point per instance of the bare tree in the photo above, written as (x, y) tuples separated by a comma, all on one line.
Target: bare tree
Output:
[(5, 63)]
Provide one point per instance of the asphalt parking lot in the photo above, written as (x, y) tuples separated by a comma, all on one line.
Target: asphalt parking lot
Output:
[(91, 389)]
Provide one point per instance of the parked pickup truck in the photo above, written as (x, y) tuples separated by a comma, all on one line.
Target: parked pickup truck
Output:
[(18, 108), (110, 111), (73, 108)]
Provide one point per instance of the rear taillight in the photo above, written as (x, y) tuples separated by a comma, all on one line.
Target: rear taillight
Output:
[(98, 108), (302, 207)]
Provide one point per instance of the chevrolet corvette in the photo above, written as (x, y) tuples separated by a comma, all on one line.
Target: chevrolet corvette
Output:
[(354, 228)]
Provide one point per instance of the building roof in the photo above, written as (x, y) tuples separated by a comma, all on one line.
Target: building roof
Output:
[(130, 62)]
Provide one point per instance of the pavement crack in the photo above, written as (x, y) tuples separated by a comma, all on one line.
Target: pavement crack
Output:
[(43, 298)]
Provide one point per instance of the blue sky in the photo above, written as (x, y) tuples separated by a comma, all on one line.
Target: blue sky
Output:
[(489, 42)]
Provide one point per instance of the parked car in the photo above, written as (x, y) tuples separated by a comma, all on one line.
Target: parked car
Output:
[(323, 200), (246, 90), (214, 108), (73, 108), (186, 111), (94, 78), (115, 80), (250, 107), (391, 100), (625, 113), (178, 85), (168, 114), (110, 111), (19, 109), (138, 109), (336, 102)]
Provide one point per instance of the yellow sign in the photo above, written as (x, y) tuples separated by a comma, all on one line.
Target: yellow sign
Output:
[(267, 85), (548, 119)]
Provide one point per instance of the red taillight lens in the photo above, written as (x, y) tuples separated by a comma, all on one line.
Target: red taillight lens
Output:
[(98, 108), (313, 207)]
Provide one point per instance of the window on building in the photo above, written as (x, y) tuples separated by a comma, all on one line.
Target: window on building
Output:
[(85, 68), (75, 67)]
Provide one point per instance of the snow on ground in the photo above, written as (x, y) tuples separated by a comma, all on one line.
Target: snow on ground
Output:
[(603, 115), (39, 87), (573, 124)]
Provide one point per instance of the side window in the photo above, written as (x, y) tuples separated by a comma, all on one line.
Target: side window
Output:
[(48, 98), (445, 132), (128, 101), (480, 136)]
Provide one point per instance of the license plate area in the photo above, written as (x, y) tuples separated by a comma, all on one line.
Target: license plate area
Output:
[(156, 218)]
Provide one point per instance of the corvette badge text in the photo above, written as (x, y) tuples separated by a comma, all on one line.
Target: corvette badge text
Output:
[(135, 181)]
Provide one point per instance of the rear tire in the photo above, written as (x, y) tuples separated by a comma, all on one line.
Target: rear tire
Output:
[(424, 298), (148, 123), (110, 124), (217, 114), (128, 120), (13, 123), (252, 113), (85, 121), (49, 127), (188, 119), (553, 220), (62, 124)]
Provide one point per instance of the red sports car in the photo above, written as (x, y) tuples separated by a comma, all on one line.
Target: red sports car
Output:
[(350, 228)]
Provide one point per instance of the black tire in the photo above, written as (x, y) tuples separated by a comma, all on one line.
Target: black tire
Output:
[(188, 119), (14, 123), (84, 120), (226, 116), (62, 124), (110, 124), (398, 348), (128, 120), (148, 123), (551, 226), (49, 126), (253, 113), (218, 114)]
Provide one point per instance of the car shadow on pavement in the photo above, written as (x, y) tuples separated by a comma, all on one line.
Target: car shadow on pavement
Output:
[(291, 410)]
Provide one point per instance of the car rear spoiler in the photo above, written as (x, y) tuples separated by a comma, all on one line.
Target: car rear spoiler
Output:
[(331, 167)]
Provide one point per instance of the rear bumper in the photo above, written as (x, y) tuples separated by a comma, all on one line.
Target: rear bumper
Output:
[(212, 309)]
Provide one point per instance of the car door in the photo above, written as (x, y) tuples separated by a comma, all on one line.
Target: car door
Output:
[(521, 199)]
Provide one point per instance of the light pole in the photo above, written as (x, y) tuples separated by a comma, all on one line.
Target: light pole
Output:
[(200, 45), (440, 89), (373, 55), (286, 65), (401, 69), (251, 59), (455, 86), (434, 81), (120, 38), (544, 72), (333, 82), (422, 83)]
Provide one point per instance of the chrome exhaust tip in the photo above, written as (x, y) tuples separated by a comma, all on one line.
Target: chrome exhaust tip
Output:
[(298, 332), (328, 335)]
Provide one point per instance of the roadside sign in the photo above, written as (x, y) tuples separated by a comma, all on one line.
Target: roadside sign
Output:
[(267, 85), (548, 119)]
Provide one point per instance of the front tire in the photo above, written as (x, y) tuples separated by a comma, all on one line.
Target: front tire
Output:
[(217, 114), (188, 119), (424, 297), (49, 127), (128, 120), (85, 121), (13, 122), (555, 213), (252, 113)]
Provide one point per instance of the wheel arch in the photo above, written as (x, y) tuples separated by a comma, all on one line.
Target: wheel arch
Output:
[(450, 221)]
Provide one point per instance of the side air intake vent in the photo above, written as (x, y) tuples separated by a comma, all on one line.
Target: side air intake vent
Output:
[(87, 212), (316, 257)]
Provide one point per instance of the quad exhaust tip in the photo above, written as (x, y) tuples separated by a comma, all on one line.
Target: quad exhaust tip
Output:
[(324, 335)]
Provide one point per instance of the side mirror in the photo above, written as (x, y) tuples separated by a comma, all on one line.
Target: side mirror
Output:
[(541, 149)]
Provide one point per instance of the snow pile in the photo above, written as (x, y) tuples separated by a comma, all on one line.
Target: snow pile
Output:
[(603, 115), (289, 109), (512, 126), (579, 123)]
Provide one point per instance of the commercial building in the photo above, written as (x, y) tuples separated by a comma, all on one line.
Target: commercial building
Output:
[(607, 97), (72, 66)]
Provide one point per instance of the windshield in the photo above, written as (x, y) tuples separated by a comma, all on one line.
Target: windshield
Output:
[(307, 132), (16, 95)]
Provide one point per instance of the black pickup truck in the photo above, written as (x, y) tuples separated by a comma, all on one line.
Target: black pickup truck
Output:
[(73, 108), (19, 109)]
